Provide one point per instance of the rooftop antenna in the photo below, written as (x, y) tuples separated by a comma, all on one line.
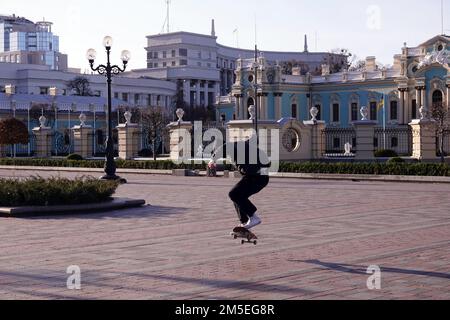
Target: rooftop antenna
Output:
[(168, 15), (167, 21)]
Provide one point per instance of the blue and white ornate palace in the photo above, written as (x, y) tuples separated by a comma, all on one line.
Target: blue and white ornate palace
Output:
[(419, 77)]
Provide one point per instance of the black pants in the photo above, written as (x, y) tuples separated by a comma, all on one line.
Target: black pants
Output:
[(247, 187)]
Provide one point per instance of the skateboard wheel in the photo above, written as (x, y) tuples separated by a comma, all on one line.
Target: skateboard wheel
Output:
[(242, 242), (235, 237), (255, 243)]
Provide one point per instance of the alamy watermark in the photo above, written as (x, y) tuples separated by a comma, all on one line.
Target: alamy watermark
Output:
[(201, 146), (374, 281), (74, 280), (374, 17)]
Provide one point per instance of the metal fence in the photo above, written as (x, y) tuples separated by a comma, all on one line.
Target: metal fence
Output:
[(398, 139), (336, 139)]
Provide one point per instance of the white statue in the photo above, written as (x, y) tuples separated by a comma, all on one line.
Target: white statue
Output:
[(252, 112), (180, 114), (128, 116), (42, 121), (348, 149), (314, 113), (364, 113), (423, 113), (82, 118)]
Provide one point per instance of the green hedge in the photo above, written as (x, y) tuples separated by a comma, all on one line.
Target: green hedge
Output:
[(37, 191), (406, 169), (99, 164), (392, 168)]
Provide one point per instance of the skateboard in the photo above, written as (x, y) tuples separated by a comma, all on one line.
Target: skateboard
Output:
[(246, 235)]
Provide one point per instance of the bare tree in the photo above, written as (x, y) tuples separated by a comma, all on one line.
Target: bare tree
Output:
[(154, 120), (80, 86), (441, 115)]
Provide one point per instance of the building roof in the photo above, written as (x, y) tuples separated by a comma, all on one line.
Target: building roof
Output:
[(82, 104)]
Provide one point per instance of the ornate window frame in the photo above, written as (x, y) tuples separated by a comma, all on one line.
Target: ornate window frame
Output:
[(373, 97), (354, 98), (294, 100), (393, 97), (335, 99)]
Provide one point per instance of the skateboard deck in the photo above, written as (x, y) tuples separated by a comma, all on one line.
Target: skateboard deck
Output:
[(246, 235)]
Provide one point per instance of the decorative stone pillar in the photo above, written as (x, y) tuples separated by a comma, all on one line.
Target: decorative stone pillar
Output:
[(424, 139), (365, 133), (43, 139), (278, 101), (180, 138), (317, 128), (82, 135), (128, 138)]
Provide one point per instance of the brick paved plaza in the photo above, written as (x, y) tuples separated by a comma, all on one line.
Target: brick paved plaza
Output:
[(317, 241)]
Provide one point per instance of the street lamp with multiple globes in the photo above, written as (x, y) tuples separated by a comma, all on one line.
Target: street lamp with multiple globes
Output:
[(109, 71)]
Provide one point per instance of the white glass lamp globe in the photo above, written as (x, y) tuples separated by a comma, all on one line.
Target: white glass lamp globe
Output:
[(91, 54), (125, 56), (108, 42)]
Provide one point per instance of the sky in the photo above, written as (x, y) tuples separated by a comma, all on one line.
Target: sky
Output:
[(367, 28)]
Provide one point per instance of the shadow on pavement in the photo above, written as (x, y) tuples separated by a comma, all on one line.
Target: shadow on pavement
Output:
[(131, 213), (250, 286), (356, 269)]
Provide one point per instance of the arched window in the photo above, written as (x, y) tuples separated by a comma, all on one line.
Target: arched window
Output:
[(437, 97)]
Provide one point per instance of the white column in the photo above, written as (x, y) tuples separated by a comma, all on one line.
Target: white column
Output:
[(401, 97), (243, 108), (206, 93), (187, 91), (197, 95), (424, 98), (265, 109), (418, 98), (407, 107), (237, 111)]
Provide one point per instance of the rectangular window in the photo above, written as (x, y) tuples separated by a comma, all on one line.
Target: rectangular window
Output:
[(394, 110), (336, 112), (125, 96), (294, 111), (414, 109), (354, 112), (164, 64), (149, 55), (149, 65), (183, 62), (373, 111), (174, 63), (183, 52), (155, 55), (164, 54), (116, 95), (173, 53), (136, 98), (155, 65)]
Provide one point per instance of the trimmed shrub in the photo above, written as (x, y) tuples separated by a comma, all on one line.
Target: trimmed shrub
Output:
[(37, 191), (386, 154), (74, 157), (396, 160)]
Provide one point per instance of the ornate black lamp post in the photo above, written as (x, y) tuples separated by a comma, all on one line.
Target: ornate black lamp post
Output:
[(109, 71)]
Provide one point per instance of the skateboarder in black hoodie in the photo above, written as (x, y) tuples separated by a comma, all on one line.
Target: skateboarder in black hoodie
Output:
[(253, 164)]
